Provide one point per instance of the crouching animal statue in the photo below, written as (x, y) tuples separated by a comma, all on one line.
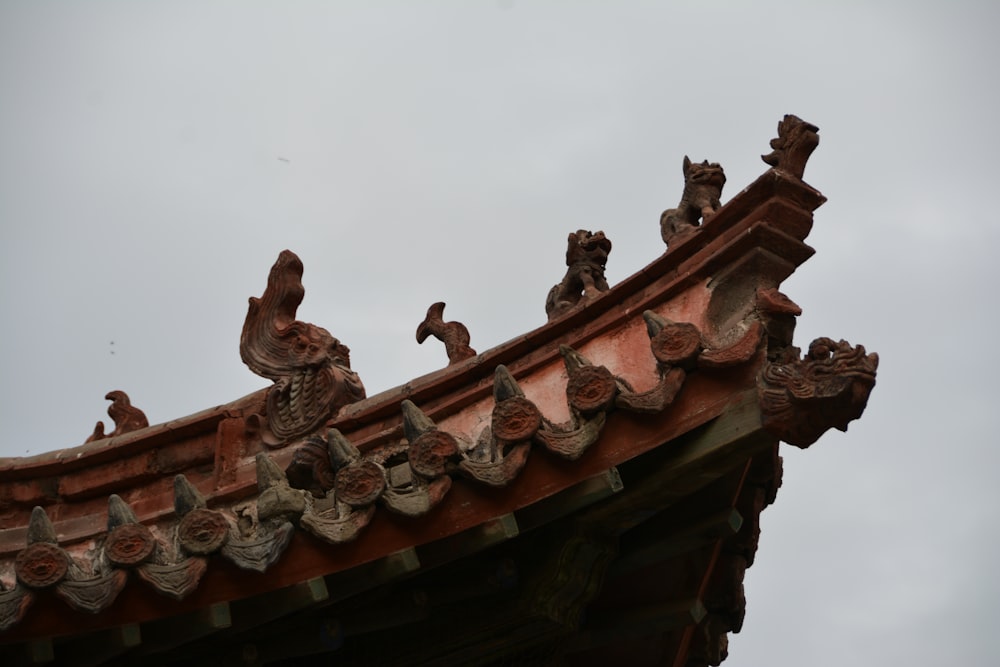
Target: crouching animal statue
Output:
[(700, 200), (586, 255)]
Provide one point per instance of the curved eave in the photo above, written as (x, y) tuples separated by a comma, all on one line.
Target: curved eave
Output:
[(789, 218), (711, 281)]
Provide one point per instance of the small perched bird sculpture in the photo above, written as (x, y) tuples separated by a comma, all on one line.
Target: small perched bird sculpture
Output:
[(126, 417)]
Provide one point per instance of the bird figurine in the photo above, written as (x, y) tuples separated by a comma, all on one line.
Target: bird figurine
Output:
[(125, 416)]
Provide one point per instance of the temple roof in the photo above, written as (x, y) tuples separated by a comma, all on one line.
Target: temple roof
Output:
[(589, 489)]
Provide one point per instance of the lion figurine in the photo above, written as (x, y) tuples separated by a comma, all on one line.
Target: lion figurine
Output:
[(586, 256), (700, 200)]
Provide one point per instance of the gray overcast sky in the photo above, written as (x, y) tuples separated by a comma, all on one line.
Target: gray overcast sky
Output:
[(155, 157)]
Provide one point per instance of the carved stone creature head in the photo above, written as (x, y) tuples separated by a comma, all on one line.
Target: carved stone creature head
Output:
[(586, 246), (702, 178), (827, 388), (314, 346), (796, 141)]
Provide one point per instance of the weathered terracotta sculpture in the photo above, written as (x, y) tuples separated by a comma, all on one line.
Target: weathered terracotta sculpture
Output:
[(700, 200), (586, 255), (454, 335), (795, 142), (801, 399), (125, 416), (311, 369)]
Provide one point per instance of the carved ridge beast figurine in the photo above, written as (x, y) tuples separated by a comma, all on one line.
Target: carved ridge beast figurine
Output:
[(310, 368), (127, 417), (700, 200), (796, 141), (586, 255), (454, 335)]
